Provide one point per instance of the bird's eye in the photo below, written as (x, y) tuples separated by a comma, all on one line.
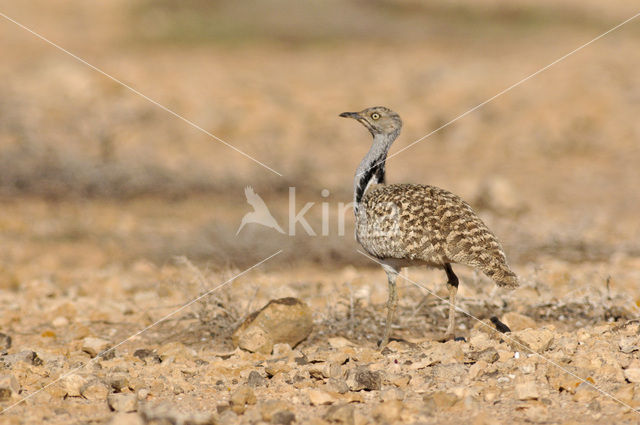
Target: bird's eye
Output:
[(375, 116)]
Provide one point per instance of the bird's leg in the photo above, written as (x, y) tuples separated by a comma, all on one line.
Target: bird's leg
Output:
[(392, 303), (452, 284)]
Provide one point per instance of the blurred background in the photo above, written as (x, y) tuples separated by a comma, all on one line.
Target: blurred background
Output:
[(93, 175)]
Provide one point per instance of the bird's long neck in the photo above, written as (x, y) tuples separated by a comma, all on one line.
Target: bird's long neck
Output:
[(371, 170)]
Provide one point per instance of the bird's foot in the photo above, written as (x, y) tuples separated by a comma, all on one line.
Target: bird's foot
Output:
[(383, 343), (448, 336), (452, 337)]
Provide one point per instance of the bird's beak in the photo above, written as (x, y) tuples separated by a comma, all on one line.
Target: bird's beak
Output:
[(353, 115)]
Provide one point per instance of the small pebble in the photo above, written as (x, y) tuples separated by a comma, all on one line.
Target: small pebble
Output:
[(256, 380), (5, 342), (123, 402)]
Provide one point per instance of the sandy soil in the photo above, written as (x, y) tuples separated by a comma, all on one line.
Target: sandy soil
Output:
[(56, 294)]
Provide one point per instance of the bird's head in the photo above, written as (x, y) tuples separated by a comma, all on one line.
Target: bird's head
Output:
[(378, 120)]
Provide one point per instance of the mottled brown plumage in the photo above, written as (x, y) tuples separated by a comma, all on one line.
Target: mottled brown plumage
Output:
[(426, 224), (409, 224)]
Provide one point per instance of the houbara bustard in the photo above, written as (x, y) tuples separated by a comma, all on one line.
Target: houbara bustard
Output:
[(405, 225)]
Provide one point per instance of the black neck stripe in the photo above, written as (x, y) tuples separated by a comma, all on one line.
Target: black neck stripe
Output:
[(377, 170)]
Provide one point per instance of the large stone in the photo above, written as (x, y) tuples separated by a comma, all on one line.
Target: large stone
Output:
[(537, 340), (285, 320), (518, 322), (254, 339)]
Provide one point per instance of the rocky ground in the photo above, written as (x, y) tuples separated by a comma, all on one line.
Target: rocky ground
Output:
[(571, 356)]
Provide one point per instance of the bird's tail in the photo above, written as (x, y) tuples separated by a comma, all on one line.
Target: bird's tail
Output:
[(508, 280), (501, 274)]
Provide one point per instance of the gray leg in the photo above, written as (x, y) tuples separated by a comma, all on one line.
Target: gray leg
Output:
[(392, 302), (452, 284)]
